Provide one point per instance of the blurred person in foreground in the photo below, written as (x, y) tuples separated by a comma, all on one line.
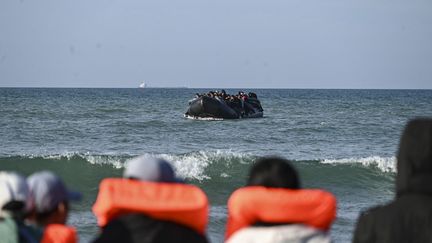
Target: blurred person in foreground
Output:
[(15, 203), (408, 218), (274, 208), (150, 204), (51, 207)]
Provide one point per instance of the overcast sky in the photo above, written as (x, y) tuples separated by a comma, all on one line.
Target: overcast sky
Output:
[(219, 43)]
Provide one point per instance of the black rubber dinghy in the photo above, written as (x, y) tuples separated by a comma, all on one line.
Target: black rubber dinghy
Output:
[(206, 107)]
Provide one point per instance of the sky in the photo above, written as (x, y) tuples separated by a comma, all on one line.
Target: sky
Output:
[(377, 44)]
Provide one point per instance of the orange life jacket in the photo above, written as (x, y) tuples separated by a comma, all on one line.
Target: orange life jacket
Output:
[(59, 233), (179, 203), (249, 205)]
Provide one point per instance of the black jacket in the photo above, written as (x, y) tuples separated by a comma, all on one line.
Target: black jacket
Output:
[(134, 228), (409, 217)]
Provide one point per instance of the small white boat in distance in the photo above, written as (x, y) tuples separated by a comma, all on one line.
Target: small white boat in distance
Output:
[(143, 85)]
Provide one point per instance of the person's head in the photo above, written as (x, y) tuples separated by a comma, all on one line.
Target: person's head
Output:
[(51, 198), (147, 168), (273, 172), (252, 95), (15, 199), (414, 158)]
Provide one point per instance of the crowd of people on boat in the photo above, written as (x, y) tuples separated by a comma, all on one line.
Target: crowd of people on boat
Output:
[(151, 204), (241, 95)]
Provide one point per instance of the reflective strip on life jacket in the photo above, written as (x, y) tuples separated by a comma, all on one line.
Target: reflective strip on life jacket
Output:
[(180, 203), (59, 233), (250, 205)]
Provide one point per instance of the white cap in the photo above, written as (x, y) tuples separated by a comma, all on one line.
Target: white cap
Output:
[(147, 168), (14, 188)]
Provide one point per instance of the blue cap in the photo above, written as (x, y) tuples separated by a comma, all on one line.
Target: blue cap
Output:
[(49, 191), (147, 168)]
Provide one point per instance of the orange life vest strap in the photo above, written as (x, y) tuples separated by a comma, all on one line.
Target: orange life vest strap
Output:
[(180, 203), (58, 233), (249, 205)]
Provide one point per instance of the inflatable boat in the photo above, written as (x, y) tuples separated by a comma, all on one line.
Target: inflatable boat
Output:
[(215, 108)]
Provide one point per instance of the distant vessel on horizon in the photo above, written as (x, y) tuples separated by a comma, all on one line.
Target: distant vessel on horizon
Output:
[(143, 85)]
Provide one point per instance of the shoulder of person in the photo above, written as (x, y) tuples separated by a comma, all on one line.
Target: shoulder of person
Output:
[(137, 227), (8, 230), (280, 233)]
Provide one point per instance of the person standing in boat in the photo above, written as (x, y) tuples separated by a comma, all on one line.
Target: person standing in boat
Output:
[(273, 207), (224, 94)]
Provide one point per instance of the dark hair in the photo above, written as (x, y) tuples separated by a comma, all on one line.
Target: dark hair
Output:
[(14, 206), (273, 172)]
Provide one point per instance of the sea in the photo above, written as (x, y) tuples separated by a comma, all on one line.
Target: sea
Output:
[(343, 141)]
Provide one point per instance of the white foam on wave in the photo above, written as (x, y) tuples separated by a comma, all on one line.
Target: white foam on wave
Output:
[(65, 155), (203, 118), (191, 165), (61, 156), (385, 164), (105, 160), (111, 160)]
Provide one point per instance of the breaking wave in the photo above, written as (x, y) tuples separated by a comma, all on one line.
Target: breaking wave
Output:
[(385, 164), (192, 165)]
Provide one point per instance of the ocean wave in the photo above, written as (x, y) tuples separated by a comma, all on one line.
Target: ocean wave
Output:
[(115, 161), (385, 164), (198, 165), (193, 165)]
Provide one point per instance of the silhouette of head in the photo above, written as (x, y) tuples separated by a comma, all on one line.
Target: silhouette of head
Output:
[(273, 172)]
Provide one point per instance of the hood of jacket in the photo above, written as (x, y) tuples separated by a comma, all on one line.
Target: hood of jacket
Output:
[(414, 158)]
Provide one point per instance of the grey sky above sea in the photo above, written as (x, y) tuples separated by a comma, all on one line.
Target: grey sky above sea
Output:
[(223, 43)]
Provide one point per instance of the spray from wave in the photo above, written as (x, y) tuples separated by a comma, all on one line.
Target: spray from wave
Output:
[(385, 164), (194, 165)]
